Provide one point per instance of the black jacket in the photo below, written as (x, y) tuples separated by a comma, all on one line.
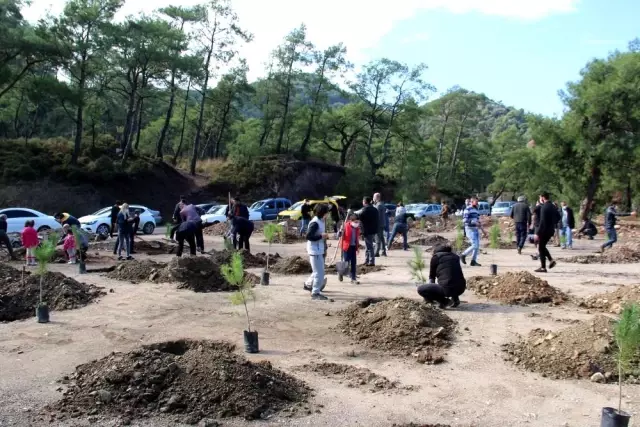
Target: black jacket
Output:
[(115, 210), (135, 224), (571, 220), (549, 217), (305, 210), (186, 229), (521, 213), (536, 216), (369, 218), (589, 228), (3, 225), (382, 214), (610, 217), (243, 226), (335, 215), (71, 221), (177, 218), (445, 266)]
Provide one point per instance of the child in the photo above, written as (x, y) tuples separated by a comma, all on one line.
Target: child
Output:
[(70, 246), (30, 241), (350, 244)]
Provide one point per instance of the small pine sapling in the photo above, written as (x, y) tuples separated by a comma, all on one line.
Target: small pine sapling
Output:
[(78, 236), (627, 335), (423, 223), (417, 265), (234, 274), (270, 233), (494, 239), (44, 253), (510, 234), (167, 232)]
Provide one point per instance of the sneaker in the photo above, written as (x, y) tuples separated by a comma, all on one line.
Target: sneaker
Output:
[(129, 258), (540, 270), (306, 287), (534, 257), (340, 277), (475, 264), (318, 297), (355, 282), (552, 264), (120, 258), (463, 259), (519, 251), (445, 304)]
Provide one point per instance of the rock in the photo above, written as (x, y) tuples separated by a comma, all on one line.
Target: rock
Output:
[(598, 378), (103, 396)]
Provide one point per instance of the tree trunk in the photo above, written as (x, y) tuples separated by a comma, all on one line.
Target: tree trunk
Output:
[(128, 123), (316, 97), (592, 188), (196, 142), (629, 196), (79, 119), (139, 125), (285, 113), (184, 119), (440, 150), (167, 118), (454, 155)]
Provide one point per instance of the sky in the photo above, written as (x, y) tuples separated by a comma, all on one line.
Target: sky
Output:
[(519, 52)]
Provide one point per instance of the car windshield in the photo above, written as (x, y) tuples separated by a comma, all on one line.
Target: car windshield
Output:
[(217, 209), (296, 207), (256, 206), (102, 211), (414, 208), (502, 205)]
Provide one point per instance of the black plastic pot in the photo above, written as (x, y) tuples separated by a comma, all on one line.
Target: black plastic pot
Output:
[(264, 278), (611, 417), (494, 269), (42, 313), (251, 344)]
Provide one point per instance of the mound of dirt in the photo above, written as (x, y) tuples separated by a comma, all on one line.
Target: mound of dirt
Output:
[(516, 288), (578, 351), (137, 271), (200, 274), (249, 260), (613, 302), (433, 240), (628, 253), (194, 379), (360, 269), (503, 245), (420, 425), (352, 376), (219, 229), (292, 265), (288, 237), (18, 299), (400, 327), (149, 247)]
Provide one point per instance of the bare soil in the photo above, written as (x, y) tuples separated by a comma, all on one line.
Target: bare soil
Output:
[(219, 229), (249, 260), (361, 269), (613, 302), (399, 327), (292, 266), (195, 379), (578, 351), (516, 288), (19, 298), (142, 246), (432, 240), (627, 253), (353, 376)]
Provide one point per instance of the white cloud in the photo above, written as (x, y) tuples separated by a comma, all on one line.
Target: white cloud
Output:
[(416, 38), (359, 24)]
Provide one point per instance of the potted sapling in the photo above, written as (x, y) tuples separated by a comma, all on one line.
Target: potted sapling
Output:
[(416, 266), (81, 242), (234, 274), (459, 242), (494, 244), (270, 233), (43, 253), (627, 336)]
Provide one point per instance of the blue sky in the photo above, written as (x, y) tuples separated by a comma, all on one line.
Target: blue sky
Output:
[(520, 52)]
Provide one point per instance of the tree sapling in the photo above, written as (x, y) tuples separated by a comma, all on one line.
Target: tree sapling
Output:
[(627, 335), (270, 231), (43, 253), (417, 265)]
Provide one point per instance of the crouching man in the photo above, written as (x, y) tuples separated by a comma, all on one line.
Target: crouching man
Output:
[(445, 268), (186, 231)]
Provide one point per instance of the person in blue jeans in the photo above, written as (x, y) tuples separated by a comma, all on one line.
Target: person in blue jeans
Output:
[(610, 219), (399, 227), (472, 228), (316, 237), (568, 224)]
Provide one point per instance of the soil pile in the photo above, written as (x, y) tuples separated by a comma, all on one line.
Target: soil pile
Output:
[(503, 245), (291, 266), (434, 240), (516, 288), (19, 301), (400, 327), (420, 425), (352, 376), (219, 229), (628, 253), (288, 237), (149, 247), (613, 302), (360, 269), (249, 260), (137, 271), (194, 379), (578, 351)]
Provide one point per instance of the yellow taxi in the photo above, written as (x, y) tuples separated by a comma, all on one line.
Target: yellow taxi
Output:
[(295, 212)]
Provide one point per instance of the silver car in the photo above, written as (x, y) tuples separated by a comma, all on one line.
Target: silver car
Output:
[(502, 208)]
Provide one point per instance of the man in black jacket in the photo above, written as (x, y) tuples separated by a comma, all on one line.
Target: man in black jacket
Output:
[(445, 267), (521, 215), (176, 217), (382, 219), (243, 228), (568, 223), (186, 231), (549, 218), (4, 238), (369, 218), (113, 216), (305, 216)]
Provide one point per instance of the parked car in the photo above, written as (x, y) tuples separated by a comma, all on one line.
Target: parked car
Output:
[(295, 211), (207, 206), (215, 215), (16, 217), (99, 222), (502, 208), (484, 208), (421, 210), (391, 209), (156, 215), (268, 209)]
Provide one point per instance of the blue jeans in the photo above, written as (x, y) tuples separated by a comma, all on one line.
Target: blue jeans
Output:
[(613, 237), (568, 236), (521, 234), (124, 242), (317, 275), (473, 235), (399, 229), (304, 224), (368, 254)]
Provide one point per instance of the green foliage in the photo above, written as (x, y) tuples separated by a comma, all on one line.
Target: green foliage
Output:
[(44, 253), (510, 236), (417, 265), (423, 223), (270, 231), (228, 244), (459, 235), (234, 274), (627, 335), (494, 236)]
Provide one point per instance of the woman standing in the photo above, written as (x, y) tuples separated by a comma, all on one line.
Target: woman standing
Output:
[(316, 237), (124, 231)]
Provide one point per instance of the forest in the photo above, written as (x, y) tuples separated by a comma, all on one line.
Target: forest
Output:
[(85, 91)]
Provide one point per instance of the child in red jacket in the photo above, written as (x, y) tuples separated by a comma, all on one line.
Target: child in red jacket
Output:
[(70, 246), (350, 244), (30, 241)]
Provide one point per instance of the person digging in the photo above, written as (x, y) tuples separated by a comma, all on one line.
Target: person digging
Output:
[(446, 270), (186, 231)]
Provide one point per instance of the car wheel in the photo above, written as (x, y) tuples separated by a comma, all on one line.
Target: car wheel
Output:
[(148, 228), (103, 230), (44, 228)]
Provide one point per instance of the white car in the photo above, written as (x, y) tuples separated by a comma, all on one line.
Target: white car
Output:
[(255, 216), (100, 222), (215, 215), (16, 217)]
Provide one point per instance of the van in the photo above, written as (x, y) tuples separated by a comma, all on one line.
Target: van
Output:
[(484, 208), (270, 208)]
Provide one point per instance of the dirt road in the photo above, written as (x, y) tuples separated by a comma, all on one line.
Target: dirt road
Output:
[(474, 387)]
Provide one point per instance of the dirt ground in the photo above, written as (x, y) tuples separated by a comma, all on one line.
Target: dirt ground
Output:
[(474, 386)]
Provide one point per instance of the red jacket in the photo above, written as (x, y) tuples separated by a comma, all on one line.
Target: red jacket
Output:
[(346, 237), (29, 237)]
